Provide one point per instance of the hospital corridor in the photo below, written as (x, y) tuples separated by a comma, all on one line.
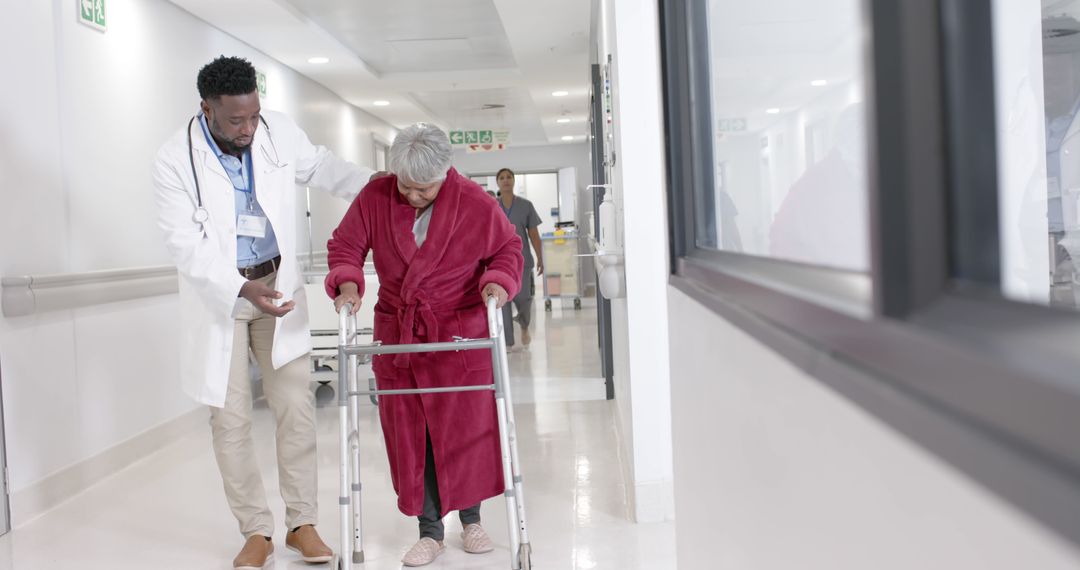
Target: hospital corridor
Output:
[(555, 285), (576, 491)]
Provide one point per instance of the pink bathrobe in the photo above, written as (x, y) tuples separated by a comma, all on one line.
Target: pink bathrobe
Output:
[(432, 294)]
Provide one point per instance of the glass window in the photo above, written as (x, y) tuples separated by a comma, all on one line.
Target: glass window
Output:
[(790, 132), (1037, 77)]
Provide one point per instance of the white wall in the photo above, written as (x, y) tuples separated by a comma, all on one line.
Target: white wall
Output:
[(795, 476), (540, 188), (543, 190), (542, 158), (639, 321), (527, 159), (535, 158), (79, 126)]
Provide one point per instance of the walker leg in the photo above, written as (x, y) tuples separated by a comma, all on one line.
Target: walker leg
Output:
[(354, 503), (346, 372), (502, 391), (508, 478), (515, 508), (515, 467), (343, 494), (525, 557)]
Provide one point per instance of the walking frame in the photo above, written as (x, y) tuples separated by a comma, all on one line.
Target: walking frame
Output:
[(350, 356)]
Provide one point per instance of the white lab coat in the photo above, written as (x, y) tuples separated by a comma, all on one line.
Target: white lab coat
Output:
[(205, 254)]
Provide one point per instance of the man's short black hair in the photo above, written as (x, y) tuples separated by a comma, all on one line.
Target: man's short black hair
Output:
[(226, 76)]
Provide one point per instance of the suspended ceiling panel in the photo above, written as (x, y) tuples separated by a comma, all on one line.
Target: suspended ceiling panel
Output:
[(509, 109), (416, 36)]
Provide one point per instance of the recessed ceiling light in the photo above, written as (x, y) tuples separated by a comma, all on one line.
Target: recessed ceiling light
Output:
[(819, 83), (559, 93), (319, 60), (563, 120), (773, 111), (380, 103), (568, 138)]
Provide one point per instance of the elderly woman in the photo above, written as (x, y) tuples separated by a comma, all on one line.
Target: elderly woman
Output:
[(441, 247)]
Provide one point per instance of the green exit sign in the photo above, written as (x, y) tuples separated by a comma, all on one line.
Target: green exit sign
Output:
[(92, 13), (486, 136)]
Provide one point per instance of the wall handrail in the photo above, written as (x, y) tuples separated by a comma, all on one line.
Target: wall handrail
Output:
[(29, 294)]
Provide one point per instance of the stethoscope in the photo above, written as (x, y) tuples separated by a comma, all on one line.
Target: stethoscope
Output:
[(201, 215)]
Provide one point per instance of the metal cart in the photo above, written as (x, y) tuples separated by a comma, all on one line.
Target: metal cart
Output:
[(349, 394), (562, 272)]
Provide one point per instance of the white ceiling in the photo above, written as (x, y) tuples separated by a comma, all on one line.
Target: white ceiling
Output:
[(434, 61), (416, 35), (504, 108)]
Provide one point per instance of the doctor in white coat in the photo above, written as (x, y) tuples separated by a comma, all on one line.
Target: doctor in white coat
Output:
[(226, 191)]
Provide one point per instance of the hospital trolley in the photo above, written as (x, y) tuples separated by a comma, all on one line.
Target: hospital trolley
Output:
[(562, 271), (352, 355)]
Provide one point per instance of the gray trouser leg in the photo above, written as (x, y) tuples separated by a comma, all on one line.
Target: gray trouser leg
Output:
[(470, 515), (508, 322), (523, 301), (431, 524), (524, 307)]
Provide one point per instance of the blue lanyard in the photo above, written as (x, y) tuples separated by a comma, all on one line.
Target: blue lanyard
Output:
[(510, 209), (249, 187)]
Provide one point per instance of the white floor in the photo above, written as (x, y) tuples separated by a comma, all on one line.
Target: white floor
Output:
[(168, 510)]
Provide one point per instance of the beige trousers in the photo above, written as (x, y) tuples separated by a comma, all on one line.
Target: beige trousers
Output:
[(288, 393)]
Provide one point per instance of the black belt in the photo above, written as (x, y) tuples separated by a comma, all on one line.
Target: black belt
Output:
[(261, 270)]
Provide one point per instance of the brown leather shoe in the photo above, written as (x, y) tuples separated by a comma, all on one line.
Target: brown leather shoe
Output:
[(306, 542), (256, 553)]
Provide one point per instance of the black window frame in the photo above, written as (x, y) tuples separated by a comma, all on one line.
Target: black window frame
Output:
[(925, 342)]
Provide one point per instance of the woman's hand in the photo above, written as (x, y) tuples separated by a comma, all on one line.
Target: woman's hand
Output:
[(347, 293), (494, 290)]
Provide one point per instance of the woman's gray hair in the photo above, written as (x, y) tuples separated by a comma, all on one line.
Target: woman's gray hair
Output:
[(421, 154)]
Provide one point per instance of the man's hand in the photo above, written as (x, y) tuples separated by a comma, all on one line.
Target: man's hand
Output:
[(263, 297), (347, 293), (379, 174), (494, 290)]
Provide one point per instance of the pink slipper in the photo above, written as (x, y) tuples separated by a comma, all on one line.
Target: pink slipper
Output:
[(476, 540), (423, 552)]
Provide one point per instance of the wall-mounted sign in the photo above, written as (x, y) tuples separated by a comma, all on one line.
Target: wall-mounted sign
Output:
[(471, 148), (736, 125), (260, 81), (92, 13), (480, 137)]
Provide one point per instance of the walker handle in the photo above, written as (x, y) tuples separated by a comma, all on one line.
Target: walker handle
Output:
[(346, 323)]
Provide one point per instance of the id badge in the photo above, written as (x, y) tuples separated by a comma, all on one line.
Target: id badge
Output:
[(251, 226)]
